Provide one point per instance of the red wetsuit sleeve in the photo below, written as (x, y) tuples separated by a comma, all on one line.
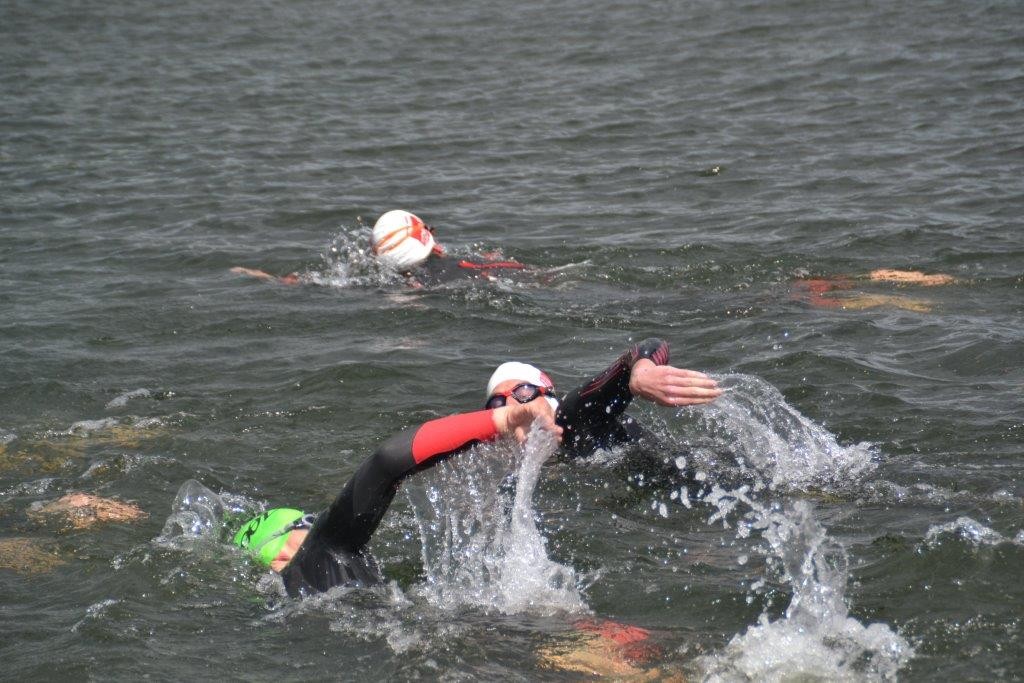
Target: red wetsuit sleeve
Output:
[(451, 433)]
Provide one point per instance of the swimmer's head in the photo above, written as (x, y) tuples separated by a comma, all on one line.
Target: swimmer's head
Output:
[(264, 535), (402, 241), (514, 371)]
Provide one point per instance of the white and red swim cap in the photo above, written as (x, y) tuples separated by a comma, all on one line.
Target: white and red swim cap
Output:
[(402, 241), (522, 372)]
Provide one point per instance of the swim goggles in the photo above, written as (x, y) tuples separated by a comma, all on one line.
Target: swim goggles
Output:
[(524, 393)]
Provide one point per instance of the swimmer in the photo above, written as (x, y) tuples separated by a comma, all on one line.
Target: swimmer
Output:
[(28, 555), (83, 510), (605, 648), (592, 414), (316, 553), (403, 243), (837, 291)]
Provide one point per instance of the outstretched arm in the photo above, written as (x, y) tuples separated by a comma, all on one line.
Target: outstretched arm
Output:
[(670, 386), (346, 526), (353, 517), (911, 277), (289, 279), (590, 413)]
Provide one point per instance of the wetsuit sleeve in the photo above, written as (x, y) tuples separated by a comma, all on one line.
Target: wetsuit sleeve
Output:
[(354, 515), (449, 434), (589, 414), (333, 553)]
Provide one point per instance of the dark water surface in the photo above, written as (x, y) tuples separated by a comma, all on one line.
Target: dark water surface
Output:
[(672, 168)]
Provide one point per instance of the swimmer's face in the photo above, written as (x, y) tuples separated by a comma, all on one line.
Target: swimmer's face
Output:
[(507, 385), (517, 390), (291, 546)]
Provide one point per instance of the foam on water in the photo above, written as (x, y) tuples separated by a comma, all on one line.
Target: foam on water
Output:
[(919, 493), (969, 531), (349, 262), (93, 612), (123, 399), (85, 428), (29, 488), (481, 545), (190, 554)]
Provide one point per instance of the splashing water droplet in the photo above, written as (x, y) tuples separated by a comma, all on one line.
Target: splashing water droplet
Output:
[(481, 545), (197, 512)]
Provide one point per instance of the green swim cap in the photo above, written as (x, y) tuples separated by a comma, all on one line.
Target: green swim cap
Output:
[(264, 535)]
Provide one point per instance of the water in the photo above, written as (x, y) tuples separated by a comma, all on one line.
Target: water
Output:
[(670, 169)]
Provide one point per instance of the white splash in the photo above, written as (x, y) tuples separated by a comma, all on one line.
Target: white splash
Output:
[(481, 545), (773, 443), (95, 612), (779, 450), (972, 532), (86, 428), (196, 514), (349, 262), (816, 639), (29, 488)]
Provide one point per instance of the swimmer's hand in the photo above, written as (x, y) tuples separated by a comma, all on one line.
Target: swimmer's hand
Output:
[(252, 272), (517, 418), (289, 279), (671, 386)]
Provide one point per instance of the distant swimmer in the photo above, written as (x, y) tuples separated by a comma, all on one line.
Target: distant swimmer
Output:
[(607, 649), (316, 553), (403, 243), (73, 511), (840, 291), (83, 510), (26, 555)]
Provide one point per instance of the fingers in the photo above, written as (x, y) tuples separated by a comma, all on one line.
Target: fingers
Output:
[(547, 423), (523, 432), (688, 398), (670, 386), (542, 414), (518, 418), (678, 382), (683, 372)]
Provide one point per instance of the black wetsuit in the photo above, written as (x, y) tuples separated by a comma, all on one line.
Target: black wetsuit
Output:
[(590, 414), (447, 269), (334, 552)]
